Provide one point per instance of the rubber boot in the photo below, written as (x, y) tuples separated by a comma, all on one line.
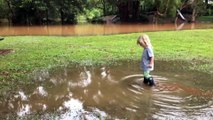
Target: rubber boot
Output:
[(1, 38), (151, 81), (145, 80)]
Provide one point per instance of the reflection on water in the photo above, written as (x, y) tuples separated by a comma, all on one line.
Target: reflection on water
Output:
[(91, 29), (112, 92)]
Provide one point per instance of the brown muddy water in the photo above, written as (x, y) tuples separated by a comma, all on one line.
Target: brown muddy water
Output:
[(98, 29), (113, 92)]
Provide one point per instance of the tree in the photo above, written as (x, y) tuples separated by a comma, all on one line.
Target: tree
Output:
[(68, 10), (192, 7), (3, 8), (8, 11), (206, 2), (197, 8), (160, 8), (30, 12), (128, 10)]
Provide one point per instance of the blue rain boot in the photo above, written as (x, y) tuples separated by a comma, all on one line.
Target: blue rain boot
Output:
[(151, 81), (145, 80)]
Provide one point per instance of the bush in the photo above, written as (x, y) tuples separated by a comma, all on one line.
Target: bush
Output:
[(93, 14), (210, 10)]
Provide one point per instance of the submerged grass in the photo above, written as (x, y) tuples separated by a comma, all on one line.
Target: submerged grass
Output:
[(38, 52)]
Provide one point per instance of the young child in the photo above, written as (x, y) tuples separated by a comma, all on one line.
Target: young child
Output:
[(147, 62)]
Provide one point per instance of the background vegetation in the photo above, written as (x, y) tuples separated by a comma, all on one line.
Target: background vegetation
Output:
[(39, 12)]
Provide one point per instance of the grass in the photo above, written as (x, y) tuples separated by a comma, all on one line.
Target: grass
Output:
[(39, 52)]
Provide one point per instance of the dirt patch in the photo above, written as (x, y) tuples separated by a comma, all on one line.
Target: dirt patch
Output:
[(6, 51)]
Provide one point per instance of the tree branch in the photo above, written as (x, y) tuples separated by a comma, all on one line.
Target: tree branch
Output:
[(165, 11)]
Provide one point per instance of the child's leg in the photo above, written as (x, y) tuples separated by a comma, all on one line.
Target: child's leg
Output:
[(146, 74), (148, 79)]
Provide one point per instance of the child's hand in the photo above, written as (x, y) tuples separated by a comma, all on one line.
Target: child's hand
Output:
[(150, 65)]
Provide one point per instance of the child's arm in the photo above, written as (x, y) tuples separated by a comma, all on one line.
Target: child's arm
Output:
[(151, 57), (151, 64)]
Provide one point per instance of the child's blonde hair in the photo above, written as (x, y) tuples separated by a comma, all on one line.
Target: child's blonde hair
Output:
[(144, 41)]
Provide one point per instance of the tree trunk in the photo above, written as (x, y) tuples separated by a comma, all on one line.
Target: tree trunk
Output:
[(61, 11), (47, 17), (193, 15), (206, 2), (165, 11), (9, 20), (123, 11), (11, 15), (135, 10), (104, 7), (46, 12), (194, 11), (62, 16)]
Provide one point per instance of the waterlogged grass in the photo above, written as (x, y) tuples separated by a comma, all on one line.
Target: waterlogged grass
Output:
[(39, 52)]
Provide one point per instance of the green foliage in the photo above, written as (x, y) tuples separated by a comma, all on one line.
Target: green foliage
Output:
[(162, 7), (3, 9), (30, 12), (172, 12), (200, 7), (173, 6), (39, 12), (210, 11), (92, 14), (81, 19)]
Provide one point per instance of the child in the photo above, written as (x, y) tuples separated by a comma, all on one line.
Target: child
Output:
[(147, 62)]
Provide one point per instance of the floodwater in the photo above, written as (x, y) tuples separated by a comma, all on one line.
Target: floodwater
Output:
[(96, 29), (113, 92)]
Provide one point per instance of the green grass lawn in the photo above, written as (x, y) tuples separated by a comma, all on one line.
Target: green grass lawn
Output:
[(38, 52)]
